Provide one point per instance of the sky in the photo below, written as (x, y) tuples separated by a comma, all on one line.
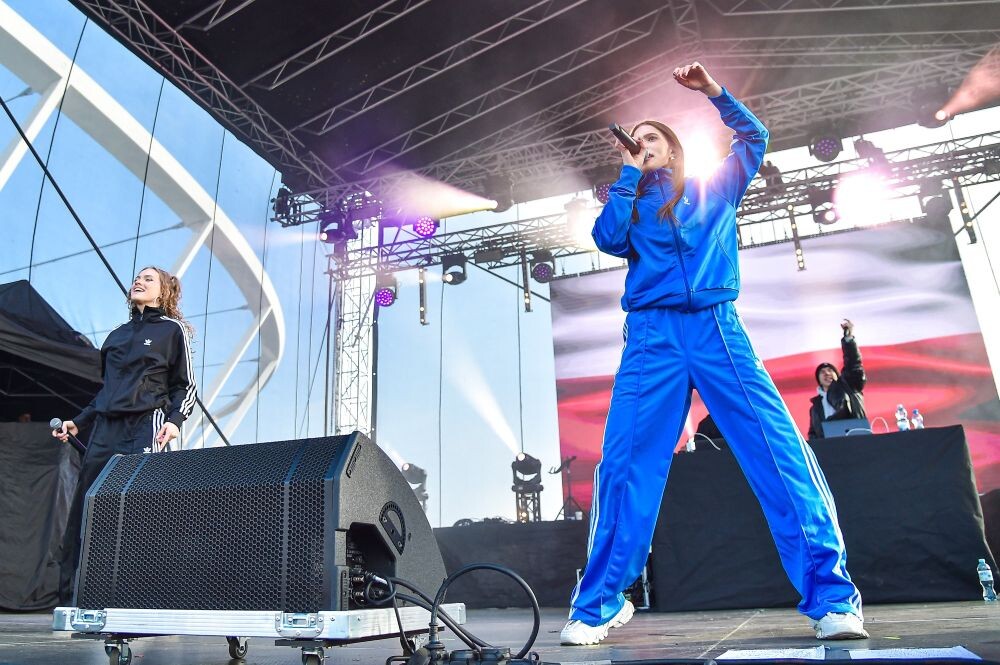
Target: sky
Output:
[(458, 397)]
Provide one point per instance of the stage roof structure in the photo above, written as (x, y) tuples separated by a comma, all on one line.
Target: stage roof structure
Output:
[(343, 96)]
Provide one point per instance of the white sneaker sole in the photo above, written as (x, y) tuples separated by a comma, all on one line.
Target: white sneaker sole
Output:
[(844, 635), (623, 617)]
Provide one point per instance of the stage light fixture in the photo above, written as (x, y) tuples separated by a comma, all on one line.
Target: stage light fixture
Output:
[(868, 150), (825, 146), (453, 268), (281, 204), (417, 478), (386, 289), (425, 226), (362, 208), (928, 104), (543, 266), (826, 216), (601, 178), (935, 201), (821, 200), (335, 228), (819, 196), (413, 474), (527, 487), (499, 188), (602, 192), (488, 254), (527, 469)]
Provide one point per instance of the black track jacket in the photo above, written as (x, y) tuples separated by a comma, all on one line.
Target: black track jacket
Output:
[(146, 365)]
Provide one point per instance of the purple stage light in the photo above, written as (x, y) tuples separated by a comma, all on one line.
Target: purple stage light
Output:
[(542, 272), (826, 147), (425, 226), (384, 297), (601, 192)]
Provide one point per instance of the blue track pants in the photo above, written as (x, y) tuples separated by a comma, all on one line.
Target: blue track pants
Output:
[(666, 354)]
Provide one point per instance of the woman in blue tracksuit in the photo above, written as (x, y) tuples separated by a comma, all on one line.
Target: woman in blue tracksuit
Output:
[(682, 332)]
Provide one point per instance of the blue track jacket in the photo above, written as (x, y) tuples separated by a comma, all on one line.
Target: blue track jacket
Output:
[(689, 264)]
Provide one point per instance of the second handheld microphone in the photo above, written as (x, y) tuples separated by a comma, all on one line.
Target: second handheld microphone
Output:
[(625, 139)]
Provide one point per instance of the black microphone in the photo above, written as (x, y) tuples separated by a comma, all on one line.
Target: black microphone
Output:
[(625, 139), (56, 424)]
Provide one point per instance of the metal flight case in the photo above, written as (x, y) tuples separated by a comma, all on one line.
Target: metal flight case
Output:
[(312, 632), (291, 540)]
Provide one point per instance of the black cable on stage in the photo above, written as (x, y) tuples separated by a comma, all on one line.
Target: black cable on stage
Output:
[(443, 589), (145, 175), (427, 603), (421, 600), (52, 142), (260, 306)]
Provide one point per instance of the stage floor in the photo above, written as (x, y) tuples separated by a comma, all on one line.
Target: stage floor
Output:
[(28, 639)]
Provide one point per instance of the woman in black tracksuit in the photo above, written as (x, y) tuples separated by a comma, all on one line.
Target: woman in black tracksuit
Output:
[(148, 391)]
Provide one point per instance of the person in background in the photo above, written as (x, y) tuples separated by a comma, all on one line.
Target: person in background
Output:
[(840, 392)]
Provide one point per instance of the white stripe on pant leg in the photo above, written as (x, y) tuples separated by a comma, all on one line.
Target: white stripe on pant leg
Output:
[(152, 421)]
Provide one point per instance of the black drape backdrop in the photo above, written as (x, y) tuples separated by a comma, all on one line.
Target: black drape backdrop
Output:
[(908, 508), (37, 478), (907, 504)]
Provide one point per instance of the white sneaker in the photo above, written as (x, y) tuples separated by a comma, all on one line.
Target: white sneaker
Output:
[(836, 626), (577, 633)]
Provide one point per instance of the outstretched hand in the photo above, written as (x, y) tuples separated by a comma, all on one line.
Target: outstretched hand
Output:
[(696, 77), (847, 327)]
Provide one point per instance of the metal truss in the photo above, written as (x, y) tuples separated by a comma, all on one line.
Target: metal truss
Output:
[(353, 329), (580, 107), (791, 113), (136, 24), (866, 50), (439, 63), (684, 14), (875, 49), (327, 47), (968, 159), (965, 161), (506, 93), (748, 7), (214, 14)]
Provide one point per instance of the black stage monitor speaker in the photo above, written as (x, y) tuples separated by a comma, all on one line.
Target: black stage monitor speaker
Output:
[(288, 526)]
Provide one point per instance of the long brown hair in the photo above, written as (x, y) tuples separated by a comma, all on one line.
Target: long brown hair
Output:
[(676, 166), (170, 298)]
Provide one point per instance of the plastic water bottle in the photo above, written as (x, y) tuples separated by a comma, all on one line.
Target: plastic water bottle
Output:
[(902, 422), (986, 579), (918, 420)]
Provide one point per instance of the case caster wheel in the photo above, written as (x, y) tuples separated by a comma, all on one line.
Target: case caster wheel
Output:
[(118, 655), (312, 657), (238, 647)]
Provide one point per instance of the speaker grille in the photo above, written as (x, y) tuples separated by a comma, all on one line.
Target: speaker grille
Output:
[(306, 534), (102, 544), (203, 529)]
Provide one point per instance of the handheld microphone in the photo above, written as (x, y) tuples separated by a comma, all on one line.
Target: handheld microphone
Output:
[(624, 137), (57, 424)]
